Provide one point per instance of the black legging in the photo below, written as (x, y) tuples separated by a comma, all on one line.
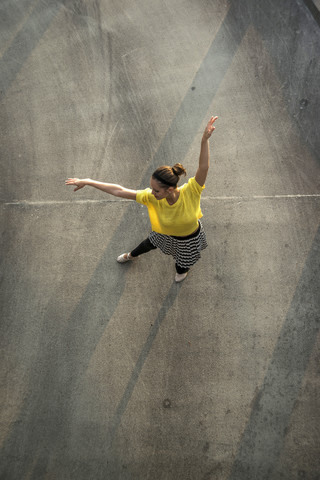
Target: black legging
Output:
[(145, 247)]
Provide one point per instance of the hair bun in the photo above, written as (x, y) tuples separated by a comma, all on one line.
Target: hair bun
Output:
[(178, 170), (169, 176)]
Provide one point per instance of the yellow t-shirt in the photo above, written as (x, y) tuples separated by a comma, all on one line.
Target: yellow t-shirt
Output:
[(179, 219)]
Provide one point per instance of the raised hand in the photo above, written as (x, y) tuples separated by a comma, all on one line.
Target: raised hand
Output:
[(77, 182), (209, 128)]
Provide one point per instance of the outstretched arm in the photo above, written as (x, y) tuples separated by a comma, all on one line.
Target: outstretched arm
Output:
[(204, 158), (111, 188)]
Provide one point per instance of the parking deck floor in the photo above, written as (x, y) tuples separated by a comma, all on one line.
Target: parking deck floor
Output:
[(113, 371)]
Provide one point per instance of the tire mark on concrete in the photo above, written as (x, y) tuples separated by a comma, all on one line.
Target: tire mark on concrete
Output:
[(265, 432), (53, 383), (292, 38), (25, 41), (167, 304)]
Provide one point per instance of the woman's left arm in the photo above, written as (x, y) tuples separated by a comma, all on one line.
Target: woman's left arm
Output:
[(204, 158)]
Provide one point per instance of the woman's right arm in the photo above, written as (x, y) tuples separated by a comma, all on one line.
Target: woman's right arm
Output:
[(111, 188)]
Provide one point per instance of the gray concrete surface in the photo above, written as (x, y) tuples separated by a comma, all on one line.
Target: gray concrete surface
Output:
[(317, 4), (114, 371)]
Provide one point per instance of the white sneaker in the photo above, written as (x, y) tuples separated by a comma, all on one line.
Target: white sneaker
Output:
[(180, 277), (125, 257)]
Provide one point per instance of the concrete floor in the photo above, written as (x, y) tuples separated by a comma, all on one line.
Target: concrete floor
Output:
[(114, 371)]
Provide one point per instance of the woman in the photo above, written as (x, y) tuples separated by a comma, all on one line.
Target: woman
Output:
[(174, 212)]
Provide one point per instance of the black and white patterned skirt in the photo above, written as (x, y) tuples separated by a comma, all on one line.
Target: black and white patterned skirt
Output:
[(185, 250)]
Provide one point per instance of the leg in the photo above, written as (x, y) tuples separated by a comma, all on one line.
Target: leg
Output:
[(181, 270), (144, 247), (181, 273)]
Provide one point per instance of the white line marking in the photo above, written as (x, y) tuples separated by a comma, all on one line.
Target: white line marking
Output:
[(123, 200), (261, 197), (62, 202)]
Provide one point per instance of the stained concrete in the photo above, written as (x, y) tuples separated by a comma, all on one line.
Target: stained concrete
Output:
[(114, 371)]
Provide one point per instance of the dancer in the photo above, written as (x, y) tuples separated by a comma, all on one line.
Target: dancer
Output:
[(174, 211)]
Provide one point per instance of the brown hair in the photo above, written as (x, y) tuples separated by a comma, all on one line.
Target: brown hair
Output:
[(169, 176)]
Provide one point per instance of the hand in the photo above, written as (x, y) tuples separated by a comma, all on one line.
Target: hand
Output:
[(77, 182), (209, 128)]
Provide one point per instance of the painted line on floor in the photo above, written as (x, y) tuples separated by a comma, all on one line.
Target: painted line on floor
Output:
[(44, 203)]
